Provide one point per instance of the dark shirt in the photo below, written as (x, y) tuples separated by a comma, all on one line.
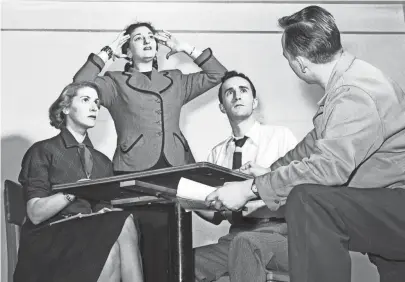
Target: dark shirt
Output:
[(56, 161), (148, 74)]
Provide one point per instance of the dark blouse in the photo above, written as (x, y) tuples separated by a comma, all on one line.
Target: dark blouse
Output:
[(148, 74), (56, 161)]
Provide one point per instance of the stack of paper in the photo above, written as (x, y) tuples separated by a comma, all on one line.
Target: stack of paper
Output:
[(191, 196)]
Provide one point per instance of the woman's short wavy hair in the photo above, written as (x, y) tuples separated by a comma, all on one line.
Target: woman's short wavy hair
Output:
[(56, 115), (311, 33)]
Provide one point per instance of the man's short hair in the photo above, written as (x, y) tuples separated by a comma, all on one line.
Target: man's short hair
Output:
[(311, 33), (230, 74)]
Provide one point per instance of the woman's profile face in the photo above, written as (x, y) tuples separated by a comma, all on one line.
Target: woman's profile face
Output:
[(84, 109), (142, 44)]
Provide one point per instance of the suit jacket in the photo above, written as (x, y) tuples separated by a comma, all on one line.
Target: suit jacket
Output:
[(358, 138), (146, 112)]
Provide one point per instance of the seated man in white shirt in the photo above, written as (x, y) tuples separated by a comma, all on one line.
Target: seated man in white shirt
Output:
[(261, 242)]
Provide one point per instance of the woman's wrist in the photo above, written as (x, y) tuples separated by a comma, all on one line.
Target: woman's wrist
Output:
[(192, 51), (106, 53), (103, 55)]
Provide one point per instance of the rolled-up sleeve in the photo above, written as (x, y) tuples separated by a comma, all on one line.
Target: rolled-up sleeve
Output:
[(34, 173), (352, 132), (195, 84)]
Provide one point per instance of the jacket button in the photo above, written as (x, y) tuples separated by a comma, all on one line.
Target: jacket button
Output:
[(159, 133), (158, 101), (158, 122), (158, 112)]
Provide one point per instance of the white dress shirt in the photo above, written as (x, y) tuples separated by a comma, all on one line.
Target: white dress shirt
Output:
[(265, 145)]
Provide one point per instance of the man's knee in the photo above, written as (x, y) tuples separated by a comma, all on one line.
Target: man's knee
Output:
[(299, 197), (241, 244)]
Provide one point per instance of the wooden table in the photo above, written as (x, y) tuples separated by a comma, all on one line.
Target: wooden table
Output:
[(166, 229)]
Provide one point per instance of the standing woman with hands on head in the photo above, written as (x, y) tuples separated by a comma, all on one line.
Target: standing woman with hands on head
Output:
[(145, 103)]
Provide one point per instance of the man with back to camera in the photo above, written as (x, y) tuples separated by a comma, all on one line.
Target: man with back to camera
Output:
[(358, 141), (250, 141)]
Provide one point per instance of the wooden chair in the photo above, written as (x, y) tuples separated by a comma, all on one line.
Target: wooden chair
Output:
[(15, 213)]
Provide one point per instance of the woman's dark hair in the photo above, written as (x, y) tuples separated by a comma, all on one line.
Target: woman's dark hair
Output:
[(129, 31), (311, 33), (231, 74), (56, 115)]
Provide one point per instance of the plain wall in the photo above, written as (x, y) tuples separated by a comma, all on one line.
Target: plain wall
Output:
[(45, 43)]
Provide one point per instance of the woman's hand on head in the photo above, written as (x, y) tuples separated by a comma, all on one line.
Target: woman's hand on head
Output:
[(167, 39), (116, 45)]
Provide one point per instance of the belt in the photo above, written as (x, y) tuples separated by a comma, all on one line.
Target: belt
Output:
[(253, 220)]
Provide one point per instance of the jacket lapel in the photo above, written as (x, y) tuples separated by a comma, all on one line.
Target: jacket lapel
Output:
[(161, 81)]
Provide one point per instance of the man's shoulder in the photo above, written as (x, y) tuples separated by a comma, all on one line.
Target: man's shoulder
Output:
[(363, 77)]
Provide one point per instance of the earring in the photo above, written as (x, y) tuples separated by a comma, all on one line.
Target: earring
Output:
[(155, 63), (304, 70)]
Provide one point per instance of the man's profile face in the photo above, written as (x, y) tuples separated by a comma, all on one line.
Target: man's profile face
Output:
[(237, 98)]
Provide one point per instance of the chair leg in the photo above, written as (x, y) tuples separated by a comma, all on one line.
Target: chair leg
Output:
[(12, 247)]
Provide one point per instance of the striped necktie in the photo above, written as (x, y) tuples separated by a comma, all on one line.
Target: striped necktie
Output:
[(86, 158)]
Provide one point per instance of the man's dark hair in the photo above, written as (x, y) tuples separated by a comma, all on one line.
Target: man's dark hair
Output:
[(311, 33), (231, 74)]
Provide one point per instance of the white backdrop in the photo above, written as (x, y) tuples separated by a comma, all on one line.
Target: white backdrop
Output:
[(44, 44)]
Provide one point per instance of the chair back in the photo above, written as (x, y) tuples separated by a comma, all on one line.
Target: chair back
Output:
[(14, 203)]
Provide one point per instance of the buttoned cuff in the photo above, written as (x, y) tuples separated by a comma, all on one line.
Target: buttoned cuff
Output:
[(96, 60), (268, 194), (204, 57)]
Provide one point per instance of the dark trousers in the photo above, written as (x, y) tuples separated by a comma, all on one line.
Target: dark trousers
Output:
[(324, 223)]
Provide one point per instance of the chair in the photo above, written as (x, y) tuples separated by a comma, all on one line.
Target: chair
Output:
[(15, 213)]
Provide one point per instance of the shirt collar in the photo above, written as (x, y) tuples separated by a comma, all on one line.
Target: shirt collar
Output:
[(253, 133), (342, 65), (70, 140)]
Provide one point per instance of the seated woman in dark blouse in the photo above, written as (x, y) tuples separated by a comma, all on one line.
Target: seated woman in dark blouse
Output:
[(103, 247)]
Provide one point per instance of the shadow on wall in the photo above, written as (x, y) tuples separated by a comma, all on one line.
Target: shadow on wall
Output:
[(13, 149)]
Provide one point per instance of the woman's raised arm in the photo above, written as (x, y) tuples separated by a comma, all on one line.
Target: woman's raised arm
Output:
[(94, 65)]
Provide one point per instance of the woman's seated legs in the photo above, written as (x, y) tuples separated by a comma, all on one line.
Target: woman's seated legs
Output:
[(124, 262), (111, 270), (130, 255)]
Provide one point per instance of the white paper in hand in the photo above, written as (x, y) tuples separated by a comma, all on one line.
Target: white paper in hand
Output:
[(191, 194)]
